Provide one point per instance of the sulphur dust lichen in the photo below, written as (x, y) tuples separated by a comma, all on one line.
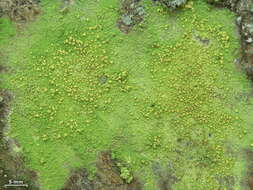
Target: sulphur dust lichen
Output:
[(168, 92)]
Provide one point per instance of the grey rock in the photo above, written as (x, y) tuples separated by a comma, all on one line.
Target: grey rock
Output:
[(249, 40), (127, 20), (249, 28), (132, 6), (103, 79), (140, 11), (238, 20)]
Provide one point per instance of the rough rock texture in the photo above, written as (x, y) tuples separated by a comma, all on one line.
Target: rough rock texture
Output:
[(244, 12), (245, 23), (173, 4), (248, 182), (132, 13), (78, 181), (165, 176), (107, 177), (19, 10)]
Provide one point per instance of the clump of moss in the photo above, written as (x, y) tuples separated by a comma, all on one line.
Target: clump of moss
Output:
[(125, 173)]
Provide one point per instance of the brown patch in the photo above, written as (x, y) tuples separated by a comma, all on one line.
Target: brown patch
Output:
[(107, 177), (19, 10), (247, 61), (78, 180), (131, 14), (226, 182), (245, 19), (247, 182), (250, 181), (165, 176), (108, 173)]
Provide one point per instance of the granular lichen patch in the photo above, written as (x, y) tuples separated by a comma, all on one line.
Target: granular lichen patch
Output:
[(162, 94)]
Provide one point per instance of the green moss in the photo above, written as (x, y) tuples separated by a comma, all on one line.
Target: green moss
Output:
[(7, 29), (125, 174), (157, 94)]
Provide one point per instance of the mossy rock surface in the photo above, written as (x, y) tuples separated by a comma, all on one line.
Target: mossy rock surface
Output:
[(159, 94)]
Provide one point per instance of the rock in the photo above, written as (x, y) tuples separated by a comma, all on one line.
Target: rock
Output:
[(132, 6), (249, 40), (237, 61), (249, 50), (173, 4), (140, 11), (131, 14), (78, 181), (126, 19), (22, 10), (251, 8), (103, 79), (238, 20), (249, 28), (243, 5), (1, 12), (165, 176)]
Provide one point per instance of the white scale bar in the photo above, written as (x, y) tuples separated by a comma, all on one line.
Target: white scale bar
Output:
[(16, 185)]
